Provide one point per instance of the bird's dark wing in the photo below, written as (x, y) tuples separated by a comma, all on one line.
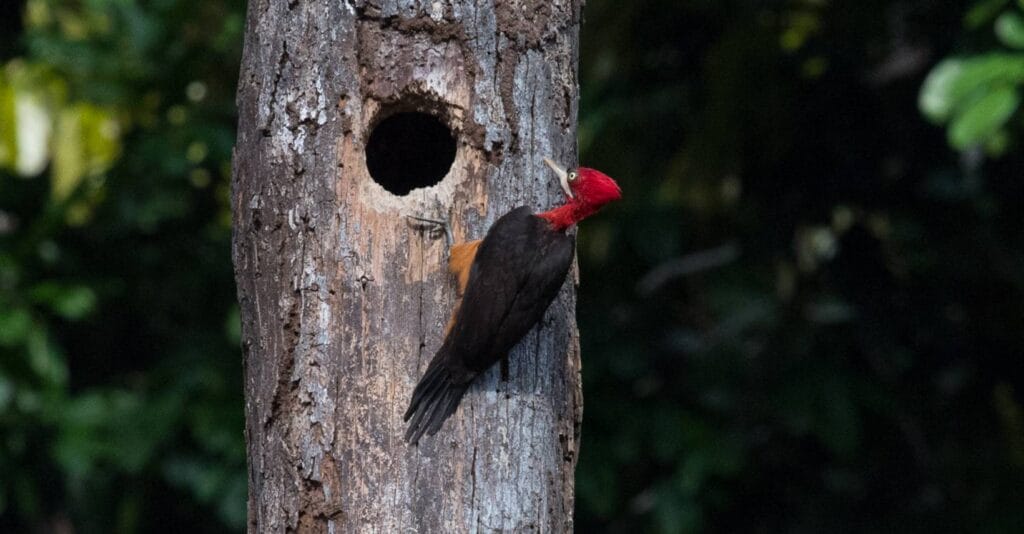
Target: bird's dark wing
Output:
[(517, 272)]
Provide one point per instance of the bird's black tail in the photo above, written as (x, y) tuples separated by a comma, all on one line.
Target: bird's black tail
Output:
[(435, 399)]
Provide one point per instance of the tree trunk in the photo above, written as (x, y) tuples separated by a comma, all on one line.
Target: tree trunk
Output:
[(344, 300)]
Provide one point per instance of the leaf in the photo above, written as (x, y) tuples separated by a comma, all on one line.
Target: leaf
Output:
[(232, 501), (936, 99), (119, 429), (204, 480), (983, 12), (75, 303), (46, 359), (675, 513), (86, 142), (983, 118), (233, 326), (998, 143), (32, 124), (6, 396), (68, 155), (955, 82), (70, 302), (8, 133), (1010, 29), (15, 324)]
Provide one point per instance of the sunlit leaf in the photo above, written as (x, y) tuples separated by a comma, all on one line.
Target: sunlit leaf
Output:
[(8, 130), (1010, 29), (37, 126), (33, 126), (936, 99), (983, 118), (68, 155), (37, 13), (86, 142), (957, 82), (29, 92)]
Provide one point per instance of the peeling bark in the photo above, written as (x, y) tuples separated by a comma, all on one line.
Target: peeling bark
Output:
[(343, 303)]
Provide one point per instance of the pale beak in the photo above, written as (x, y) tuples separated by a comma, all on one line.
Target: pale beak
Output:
[(563, 177)]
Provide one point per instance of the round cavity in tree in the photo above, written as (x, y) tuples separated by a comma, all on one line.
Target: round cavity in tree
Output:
[(409, 150)]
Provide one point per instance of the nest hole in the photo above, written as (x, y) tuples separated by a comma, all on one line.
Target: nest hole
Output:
[(408, 150)]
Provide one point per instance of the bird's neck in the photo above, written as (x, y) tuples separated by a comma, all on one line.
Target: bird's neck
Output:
[(567, 215)]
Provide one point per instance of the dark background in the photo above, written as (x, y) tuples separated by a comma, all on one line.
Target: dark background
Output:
[(806, 315)]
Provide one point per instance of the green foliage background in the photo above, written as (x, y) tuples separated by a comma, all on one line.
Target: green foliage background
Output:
[(805, 316)]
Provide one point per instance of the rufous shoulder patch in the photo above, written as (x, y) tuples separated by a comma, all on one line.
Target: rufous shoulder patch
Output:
[(461, 260)]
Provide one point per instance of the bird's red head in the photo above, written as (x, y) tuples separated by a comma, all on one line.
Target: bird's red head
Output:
[(586, 191), (592, 187)]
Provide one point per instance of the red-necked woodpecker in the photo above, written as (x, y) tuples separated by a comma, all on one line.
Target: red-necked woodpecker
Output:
[(506, 281)]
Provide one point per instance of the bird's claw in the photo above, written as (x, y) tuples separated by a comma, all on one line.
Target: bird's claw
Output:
[(437, 225)]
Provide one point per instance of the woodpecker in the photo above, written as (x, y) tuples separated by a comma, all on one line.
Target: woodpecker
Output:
[(505, 281)]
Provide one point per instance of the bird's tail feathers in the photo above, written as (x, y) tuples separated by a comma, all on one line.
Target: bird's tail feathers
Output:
[(434, 400)]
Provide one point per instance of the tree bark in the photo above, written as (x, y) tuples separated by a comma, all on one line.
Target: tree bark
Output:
[(344, 302)]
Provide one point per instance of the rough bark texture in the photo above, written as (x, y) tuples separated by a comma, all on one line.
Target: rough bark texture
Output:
[(344, 302)]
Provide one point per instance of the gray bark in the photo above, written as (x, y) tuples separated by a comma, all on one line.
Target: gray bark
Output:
[(343, 303)]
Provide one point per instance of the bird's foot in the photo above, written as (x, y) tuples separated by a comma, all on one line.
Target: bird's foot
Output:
[(434, 226)]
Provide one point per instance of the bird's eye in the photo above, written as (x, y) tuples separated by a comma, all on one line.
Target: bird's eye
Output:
[(572, 176)]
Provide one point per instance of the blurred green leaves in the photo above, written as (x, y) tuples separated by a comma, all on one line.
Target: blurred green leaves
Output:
[(982, 120), (15, 324), (41, 128), (977, 96), (70, 302), (844, 369), (111, 429), (118, 361)]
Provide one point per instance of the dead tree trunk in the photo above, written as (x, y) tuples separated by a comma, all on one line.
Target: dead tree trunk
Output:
[(344, 302)]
